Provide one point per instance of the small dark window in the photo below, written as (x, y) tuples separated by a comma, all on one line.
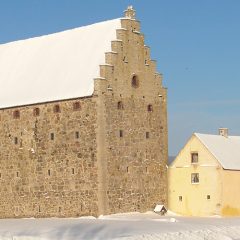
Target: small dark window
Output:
[(52, 136), (195, 178), (127, 169), (56, 109), (17, 174), (39, 209), (76, 106), (77, 135), (135, 81), (150, 108), (36, 112), (16, 114), (147, 135), (208, 197), (49, 172), (194, 157), (120, 105), (15, 140), (121, 133), (73, 171), (180, 198)]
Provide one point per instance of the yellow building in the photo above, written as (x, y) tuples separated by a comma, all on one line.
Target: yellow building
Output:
[(203, 179)]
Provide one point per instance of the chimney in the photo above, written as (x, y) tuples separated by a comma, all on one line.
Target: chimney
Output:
[(223, 132)]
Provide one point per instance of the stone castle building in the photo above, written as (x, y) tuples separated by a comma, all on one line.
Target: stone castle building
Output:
[(83, 123)]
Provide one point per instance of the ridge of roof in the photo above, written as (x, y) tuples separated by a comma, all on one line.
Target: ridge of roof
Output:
[(224, 149)]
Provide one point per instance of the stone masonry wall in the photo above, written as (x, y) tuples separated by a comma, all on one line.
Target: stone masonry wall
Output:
[(135, 130), (48, 162)]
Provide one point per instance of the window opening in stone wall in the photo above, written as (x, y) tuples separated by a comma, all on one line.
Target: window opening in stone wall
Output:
[(195, 178), (208, 197), (15, 140), (73, 171), (150, 108), (52, 136), (59, 209), (127, 169), (180, 198), (135, 81), (16, 114), (76, 135), (56, 109), (39, 209), (194, 157), (147, 135), (121, 133), (49, 172), (17, 174), (76, 106), (120, 105), (81, 207), (36, 112)]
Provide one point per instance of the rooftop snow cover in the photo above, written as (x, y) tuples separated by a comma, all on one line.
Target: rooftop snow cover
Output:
[(56, 66), (225, 149)]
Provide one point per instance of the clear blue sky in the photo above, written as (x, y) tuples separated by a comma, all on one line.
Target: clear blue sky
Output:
[(196, 45)]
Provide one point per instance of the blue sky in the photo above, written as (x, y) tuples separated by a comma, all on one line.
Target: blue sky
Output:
[(196, 45)]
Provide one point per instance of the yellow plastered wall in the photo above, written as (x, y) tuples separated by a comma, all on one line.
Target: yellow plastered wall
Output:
[(231, 193), (194, 196)]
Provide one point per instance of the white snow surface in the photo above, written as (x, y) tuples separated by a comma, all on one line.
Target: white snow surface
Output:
[(130, 226), (225, 149), (56, 66)]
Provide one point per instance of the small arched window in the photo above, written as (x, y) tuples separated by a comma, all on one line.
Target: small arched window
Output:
[(16, 114), (135, 81), (76, 106), (120, 105), (150, 108), (36, 112), (56, 109)]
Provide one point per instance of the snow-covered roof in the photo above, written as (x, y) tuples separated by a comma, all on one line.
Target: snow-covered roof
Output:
[(225, 149), (56, 66)]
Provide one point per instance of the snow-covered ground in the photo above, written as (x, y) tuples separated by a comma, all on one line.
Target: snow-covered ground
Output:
[(130, 226)]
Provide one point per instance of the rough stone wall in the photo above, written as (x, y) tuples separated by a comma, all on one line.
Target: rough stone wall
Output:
[(44, 177), (135, 176)]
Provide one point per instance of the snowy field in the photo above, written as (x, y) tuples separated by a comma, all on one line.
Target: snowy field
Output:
[(132, 226)]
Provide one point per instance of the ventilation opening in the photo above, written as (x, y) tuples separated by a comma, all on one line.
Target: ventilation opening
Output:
[(56, 109), (121, 133), (36, 112)]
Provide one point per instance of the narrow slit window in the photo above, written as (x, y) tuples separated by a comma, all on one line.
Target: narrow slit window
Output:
[(121, 133), (16, 114), (36, 112), (56, 108), (15, 140), (180, 198), (150, 108), (147, 135), (127, 169), (208, 197), (135, 81), (76, 106), (77, 135), (17, 174), (120, 105), (49, 172), (52, 136), (73, 171)]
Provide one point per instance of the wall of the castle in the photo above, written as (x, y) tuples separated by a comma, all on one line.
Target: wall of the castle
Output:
[(44, 177), (136, 165)]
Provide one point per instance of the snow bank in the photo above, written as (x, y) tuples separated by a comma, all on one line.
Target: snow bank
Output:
[(132, 226)]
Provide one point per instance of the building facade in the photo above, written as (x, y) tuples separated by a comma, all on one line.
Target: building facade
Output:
[(202, 178), (89, 155)]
